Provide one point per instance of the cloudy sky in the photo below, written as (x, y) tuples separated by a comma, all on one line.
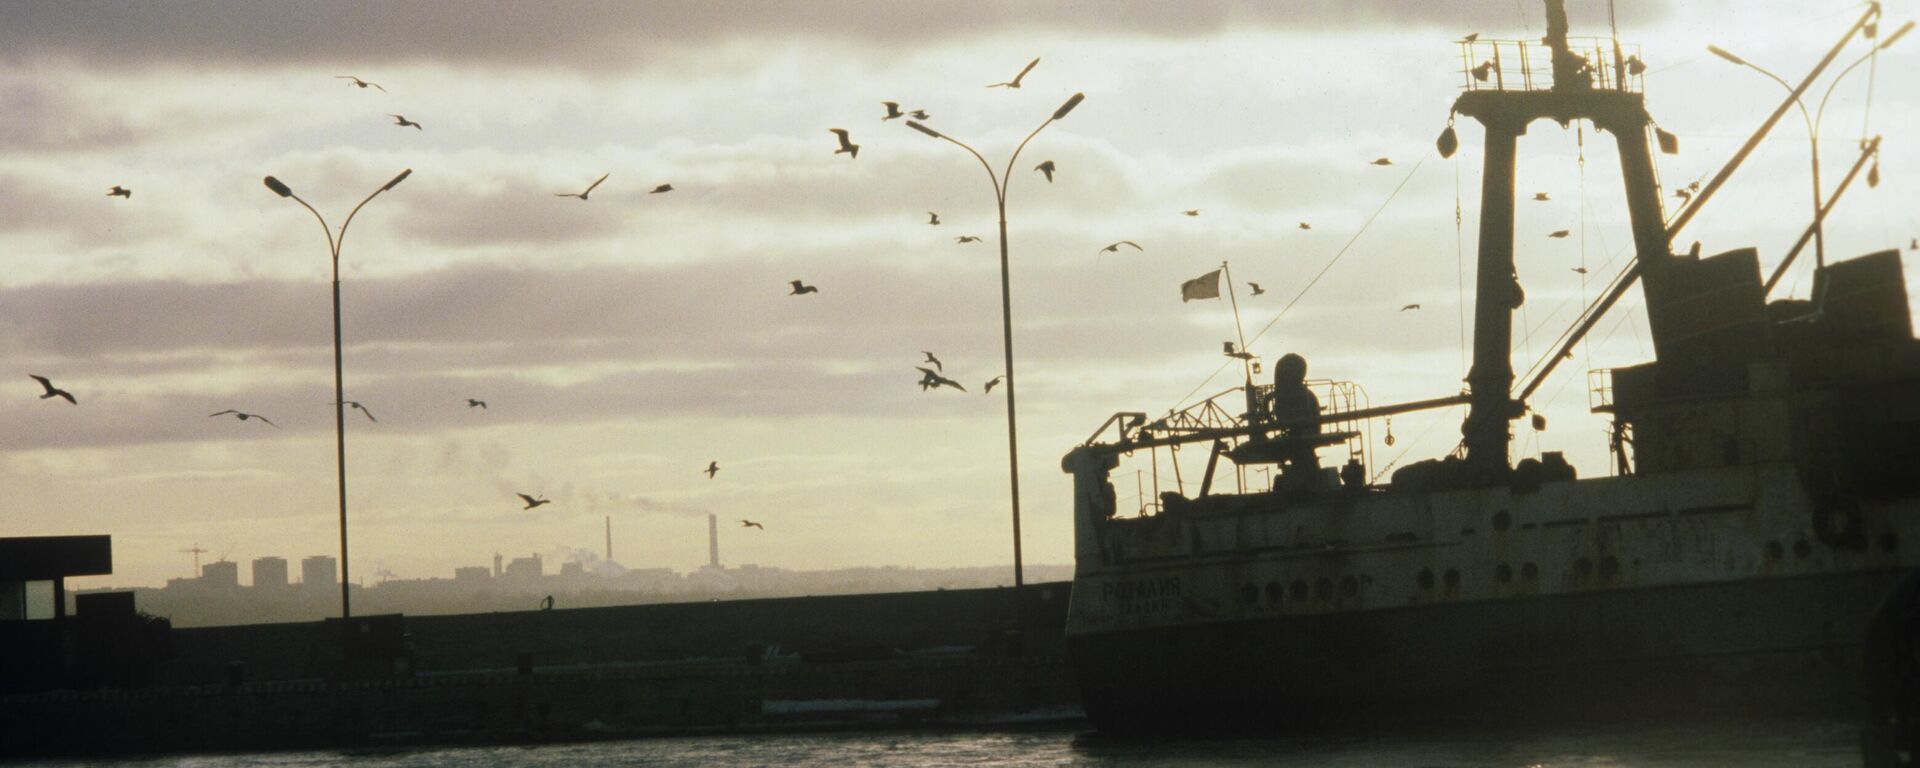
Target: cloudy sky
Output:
[(625, 341)]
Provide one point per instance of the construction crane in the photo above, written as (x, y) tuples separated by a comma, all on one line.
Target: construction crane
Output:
[(196, 550)]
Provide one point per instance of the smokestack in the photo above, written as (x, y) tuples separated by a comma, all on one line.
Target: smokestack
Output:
[(609, 538), (713, 540), (496, 565)]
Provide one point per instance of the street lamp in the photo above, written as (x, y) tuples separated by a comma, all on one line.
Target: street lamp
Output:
[(1813, 121), (339, 395), (1000, 184)]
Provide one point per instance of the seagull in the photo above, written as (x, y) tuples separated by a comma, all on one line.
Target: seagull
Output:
[(1191, 212), (589, 190), (120, 191), (363, 409), (360, 82), (1046, 168), (933, 219), (933, 380), (934, 360), (1580, 270), (472, 403), (1540, 197), (1382, 161), (991, 382), (745, 523), (1257, 290), (713, 468), (1409, 306), (893, 111), (1685, 195), (848, 148), (52, 391), (660, 189), (1558, 233), (1015, 82), (244, 416), (919, 114), (402, 121), (1115, 247), (801, 289), (1304, 225), (1480, 71), (1635, 65), (1471, 36), (533, 502), (1235, 353), (966, 239)]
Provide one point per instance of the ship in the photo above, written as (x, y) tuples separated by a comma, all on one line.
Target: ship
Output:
[(1760, 508)]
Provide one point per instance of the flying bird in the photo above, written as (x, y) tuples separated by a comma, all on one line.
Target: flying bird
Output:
[(1541, 197), (745, 523), (1304, 225), (1257, 290), (1236, 353), (713, 468), (933, 219), (472, 403), (991, 382), (589, 190), (1382, 161), (966, 239), (893, 111), (801, 289), (1046, 168), (1015, 82), (1558, 233), (934, 360), (402, 121), (1115, 247), (363, 409), (1471, 36), (1685, 195), (920, 114), (850, 149), (660, 189), (360, 82), (1191, 212), (244, 416), (52, 391), (120, 191), (1580, 270), (931, 380), (1480, 71), (1409, 307), (533, 502)]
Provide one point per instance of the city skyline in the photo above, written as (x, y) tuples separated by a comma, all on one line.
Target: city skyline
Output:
[(623, 342)]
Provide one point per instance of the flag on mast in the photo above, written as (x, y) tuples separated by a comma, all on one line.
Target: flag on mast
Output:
[(1206, 286)]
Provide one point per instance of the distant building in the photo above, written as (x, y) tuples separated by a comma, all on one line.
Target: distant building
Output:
[(224, 573), (525, 567), (318, 570), (472, 573), (270, 572), (574, 568)]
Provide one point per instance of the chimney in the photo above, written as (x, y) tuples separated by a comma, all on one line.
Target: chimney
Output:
[(496, 565), (713, 540), (609, 538)]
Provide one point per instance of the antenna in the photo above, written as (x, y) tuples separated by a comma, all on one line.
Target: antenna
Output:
[(196, 550)]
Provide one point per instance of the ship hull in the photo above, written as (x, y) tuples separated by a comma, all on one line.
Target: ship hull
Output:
[(1778, 645)]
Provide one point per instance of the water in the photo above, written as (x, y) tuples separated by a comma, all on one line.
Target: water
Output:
[(1748, 744)]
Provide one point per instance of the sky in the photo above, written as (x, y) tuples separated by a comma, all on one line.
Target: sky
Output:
[(624, 341)]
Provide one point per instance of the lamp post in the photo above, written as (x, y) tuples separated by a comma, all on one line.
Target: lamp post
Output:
[(1000, 184), (339, 394), (1813, 122)]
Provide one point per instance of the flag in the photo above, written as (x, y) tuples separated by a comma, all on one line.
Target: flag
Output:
[(1206, 286)]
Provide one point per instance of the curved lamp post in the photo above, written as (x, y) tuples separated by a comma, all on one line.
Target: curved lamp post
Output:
[(1000, 184), (1813, 122), (339, 396)]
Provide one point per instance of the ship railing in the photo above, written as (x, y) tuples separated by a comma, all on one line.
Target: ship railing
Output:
[(1527, 65), (1600, 390)]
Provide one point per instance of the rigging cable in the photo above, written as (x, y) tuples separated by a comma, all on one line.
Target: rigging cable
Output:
[(1460, 268)]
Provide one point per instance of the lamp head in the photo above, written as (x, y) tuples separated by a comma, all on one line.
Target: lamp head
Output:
[(397, 179), (915, 124), (1726, 54), (1068, 107), (278, 188)]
